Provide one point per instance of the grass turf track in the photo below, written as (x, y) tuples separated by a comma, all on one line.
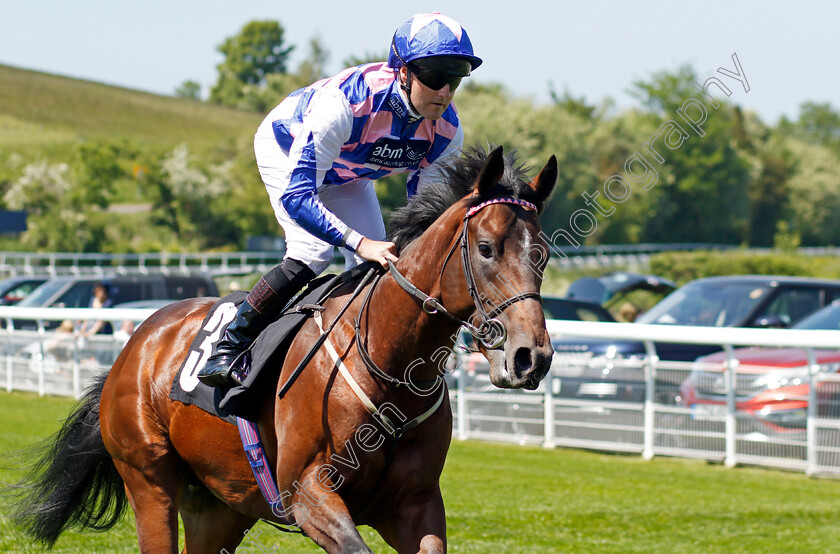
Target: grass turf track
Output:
[(505, 498)]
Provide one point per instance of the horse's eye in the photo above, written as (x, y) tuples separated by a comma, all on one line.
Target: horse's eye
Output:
[(485, 250)]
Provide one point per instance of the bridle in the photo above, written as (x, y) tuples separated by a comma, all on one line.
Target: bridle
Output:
[(490, 331), (432, 305), (489, 325)]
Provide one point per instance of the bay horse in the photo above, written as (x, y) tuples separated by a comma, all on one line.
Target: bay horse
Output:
[(129, 442)]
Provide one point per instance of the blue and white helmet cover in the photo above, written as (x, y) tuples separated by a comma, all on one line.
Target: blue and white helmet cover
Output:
[(430, 34)]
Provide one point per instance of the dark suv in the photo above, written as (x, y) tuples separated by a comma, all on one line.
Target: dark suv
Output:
[(76, 292), (610, 369)]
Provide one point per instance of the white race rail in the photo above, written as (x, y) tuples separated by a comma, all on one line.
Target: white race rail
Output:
[(74, 314), (32, 360), (695, 335), (648, 427), (728, 338)]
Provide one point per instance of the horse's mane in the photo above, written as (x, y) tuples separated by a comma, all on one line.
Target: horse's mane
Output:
[(458, 180)]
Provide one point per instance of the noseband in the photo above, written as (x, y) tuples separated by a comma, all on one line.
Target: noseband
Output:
[(490, 332)]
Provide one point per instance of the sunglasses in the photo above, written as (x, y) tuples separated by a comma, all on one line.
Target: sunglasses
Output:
[(435, 80)]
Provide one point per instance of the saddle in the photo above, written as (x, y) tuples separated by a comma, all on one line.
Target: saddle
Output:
[(266, 354)]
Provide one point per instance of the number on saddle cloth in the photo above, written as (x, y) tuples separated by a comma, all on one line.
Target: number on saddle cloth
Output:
[(267, 351)]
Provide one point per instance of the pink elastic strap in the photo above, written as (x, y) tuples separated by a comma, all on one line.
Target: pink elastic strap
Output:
[(524, 203)]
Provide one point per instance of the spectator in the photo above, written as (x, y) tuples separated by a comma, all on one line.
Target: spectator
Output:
[(125, 331), (234, 286), (628, 312), (62, 345), (101, 299)]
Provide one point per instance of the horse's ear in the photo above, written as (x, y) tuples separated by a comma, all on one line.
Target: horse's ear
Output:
[(491, 173), (544, 182)]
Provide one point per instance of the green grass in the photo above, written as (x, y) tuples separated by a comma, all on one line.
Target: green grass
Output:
[(44, 111), (503, 498)]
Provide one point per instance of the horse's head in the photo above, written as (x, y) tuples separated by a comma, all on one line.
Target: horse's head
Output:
[(486, 209), (503, 258)]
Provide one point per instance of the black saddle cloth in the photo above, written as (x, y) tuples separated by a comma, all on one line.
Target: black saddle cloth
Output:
[(266, 354)]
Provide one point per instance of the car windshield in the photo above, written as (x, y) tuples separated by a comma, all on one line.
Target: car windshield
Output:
[(709, 304), (557, 308), (826, 319), (43, 293)]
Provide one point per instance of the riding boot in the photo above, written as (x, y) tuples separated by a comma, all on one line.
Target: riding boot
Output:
[(260, 308)]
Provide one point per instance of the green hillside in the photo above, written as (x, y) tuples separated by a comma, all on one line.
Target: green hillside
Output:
[(71, 150), (47, 111)]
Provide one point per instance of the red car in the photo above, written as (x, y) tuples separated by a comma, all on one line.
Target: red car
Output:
[(15, 289), (771, 383)]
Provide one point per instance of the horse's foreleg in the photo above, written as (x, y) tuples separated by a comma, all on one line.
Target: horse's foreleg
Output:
[(417, 525), (210, 525), (325, 518)]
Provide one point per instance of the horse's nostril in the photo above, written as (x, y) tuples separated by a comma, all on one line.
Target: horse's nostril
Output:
[(522, 361)]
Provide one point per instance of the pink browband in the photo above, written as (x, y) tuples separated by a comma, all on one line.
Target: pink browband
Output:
[(475, 209)]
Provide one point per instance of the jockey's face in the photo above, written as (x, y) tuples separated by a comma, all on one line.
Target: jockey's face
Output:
[(429, 103)]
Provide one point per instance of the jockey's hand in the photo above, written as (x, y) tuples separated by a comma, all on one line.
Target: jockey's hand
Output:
[(377, 251)]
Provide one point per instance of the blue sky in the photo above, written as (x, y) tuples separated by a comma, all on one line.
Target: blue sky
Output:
[(594, 49)]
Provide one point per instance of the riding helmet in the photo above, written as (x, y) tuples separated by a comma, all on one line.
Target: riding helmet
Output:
[(430, 34)]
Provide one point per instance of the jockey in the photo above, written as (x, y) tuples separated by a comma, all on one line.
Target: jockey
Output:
[(320, 149)]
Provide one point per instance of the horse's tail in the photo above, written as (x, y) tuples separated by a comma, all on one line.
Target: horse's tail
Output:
[(75, 482)]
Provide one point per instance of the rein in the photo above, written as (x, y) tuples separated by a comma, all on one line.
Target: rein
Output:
[(317, 309), (430, 305), (365, 355), (433, 305), (489, 325)]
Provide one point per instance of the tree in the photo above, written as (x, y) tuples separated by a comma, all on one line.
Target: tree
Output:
[(52, 223), (279, 85), (41, 187), (769, 196), (180, 191), (703, 184), (250, 57), (771, 167), (66, 204), (313, 66), (821, 124), (242, 210), (814, 197), (577, 106), (367, 57), (98, 169), (611, 142), (189, 89)]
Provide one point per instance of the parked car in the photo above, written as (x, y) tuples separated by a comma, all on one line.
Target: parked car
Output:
[(609, 288), (611, 369), (15, 289), (585, 300), (772, 384), (554, 307), (76, 292)]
